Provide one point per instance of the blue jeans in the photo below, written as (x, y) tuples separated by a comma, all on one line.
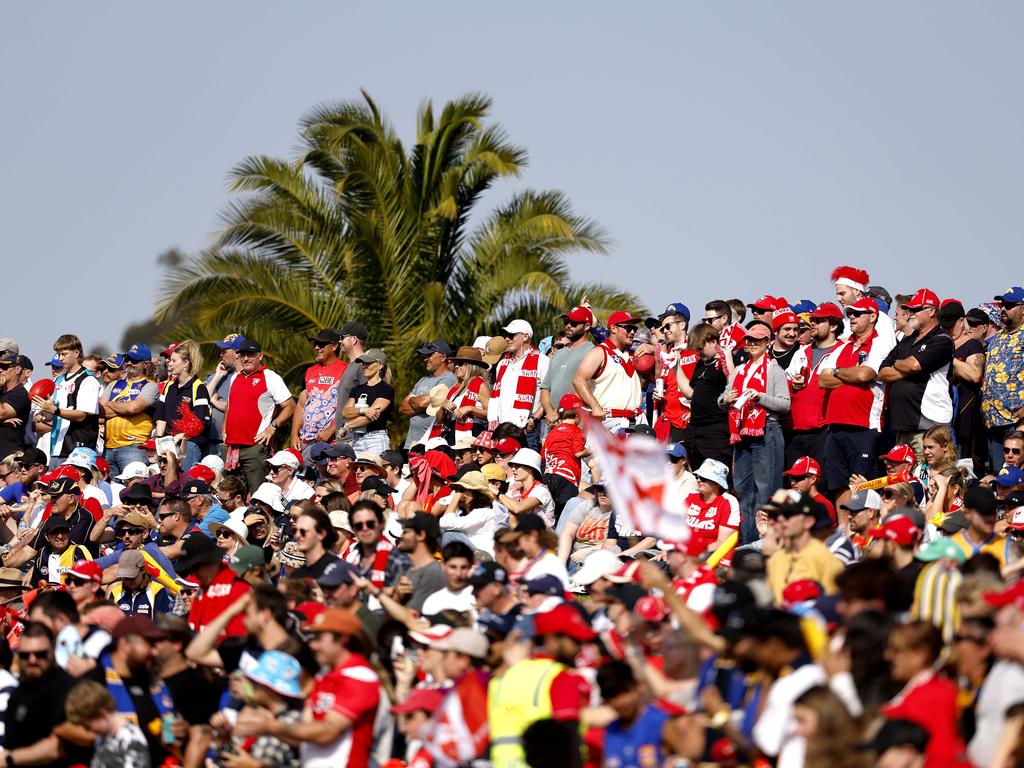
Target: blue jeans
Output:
[(119, 458), (192, 456), (757, 473)]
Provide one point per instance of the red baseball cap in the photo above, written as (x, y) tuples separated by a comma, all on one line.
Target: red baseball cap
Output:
[(901, 454), (427, 699), (1013, 594), (570, 401), (805, 465), (764, 303), (651, 608), (898, 528), (507, 445), (87, 569), (828, 309), (801, 591), (202, 472), (102, 465), (170, 348), (783, 316), (923, 298), (623, 318), (563, 619), (579, 314), (864, 304), (692, 547)]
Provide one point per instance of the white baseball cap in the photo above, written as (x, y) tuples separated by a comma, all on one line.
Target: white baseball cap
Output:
[(519, 326), (132, 470)]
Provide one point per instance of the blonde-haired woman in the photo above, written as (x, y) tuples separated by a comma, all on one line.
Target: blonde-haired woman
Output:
[(369, 406), (183, 410)]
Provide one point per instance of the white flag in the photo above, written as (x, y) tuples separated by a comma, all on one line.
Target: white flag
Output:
[(639, 480)]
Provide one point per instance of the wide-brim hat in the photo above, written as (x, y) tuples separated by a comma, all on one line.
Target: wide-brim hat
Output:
[(474, 481), (279, 672), (494, 349), (438, 394), (234, 525), (527, 457), (470, 355)]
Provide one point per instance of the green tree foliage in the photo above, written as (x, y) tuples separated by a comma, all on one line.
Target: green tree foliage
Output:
[(359, 227)]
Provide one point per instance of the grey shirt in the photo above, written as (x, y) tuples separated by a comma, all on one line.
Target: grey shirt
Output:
[(561, 369), (426, 580), (353, 375), (420, 423)]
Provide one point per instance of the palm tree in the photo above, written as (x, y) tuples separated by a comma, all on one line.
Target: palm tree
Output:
[(360, 228)]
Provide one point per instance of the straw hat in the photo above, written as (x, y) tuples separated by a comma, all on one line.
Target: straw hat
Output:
[(475, 481)]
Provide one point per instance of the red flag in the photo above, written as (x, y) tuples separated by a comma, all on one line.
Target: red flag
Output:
[(639, 481), (458, 731)]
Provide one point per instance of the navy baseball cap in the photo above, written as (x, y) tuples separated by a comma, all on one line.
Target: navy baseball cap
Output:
[(677, 308), (1014, 295), (231, 341), (437, 345), (138, 353), (338, 572), (339, 451), (547, 584)]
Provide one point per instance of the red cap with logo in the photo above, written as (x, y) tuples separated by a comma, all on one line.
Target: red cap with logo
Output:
[(864, 304), (923, 298), (623, 318), (765, 303), (805, 465), (828, 309), (570, 401), (579, 314), (89, 570), (507, 445), (901, 454), (170, 349), (898, 528)]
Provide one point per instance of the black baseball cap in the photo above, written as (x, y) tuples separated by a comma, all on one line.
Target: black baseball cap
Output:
[(437, 345), (326, 336), (32, 456), (196, 550), (339, 451), (530, 522), (55, 523), (250, 345), (487, 573), (981, 500), (355, 329), (391, 456), (897, 733)]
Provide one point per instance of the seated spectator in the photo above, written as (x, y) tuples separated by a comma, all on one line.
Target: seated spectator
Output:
[(471, 517), (528, 494)]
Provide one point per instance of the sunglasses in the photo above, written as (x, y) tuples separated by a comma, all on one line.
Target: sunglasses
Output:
[(958, 638), (627, 328), (853, 313), (367, 526), (40, 655), (74, 581), (559, 346), (273, 470), (167, 514), (61, 534), (1012, 451), (712, 318), (132, 532), (303, 531), (224, 533)]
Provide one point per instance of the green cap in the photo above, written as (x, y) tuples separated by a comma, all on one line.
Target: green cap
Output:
[(942, 548), (245, 558)]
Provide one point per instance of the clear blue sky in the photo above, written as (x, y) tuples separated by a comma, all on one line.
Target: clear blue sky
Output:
[(730, 149)]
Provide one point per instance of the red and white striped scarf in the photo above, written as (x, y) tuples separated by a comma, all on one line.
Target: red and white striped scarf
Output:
[(469, 398), (527, 382), (378, 570), (750, 420)]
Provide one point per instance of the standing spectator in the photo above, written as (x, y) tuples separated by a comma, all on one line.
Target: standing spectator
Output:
[(353, 344), (853, 405), (14, 405), (184, 408), (219, 385), (253, 418), (1002, 398), (707, 434), (807, 408), (557, 382), (674, 326), (464, 410), (851, 286), (757, 398), (336, 729), (437, 361), (786, 327), (369, 405), (607, 381), (515, 397), (314, 417), (128, 407), (73, 410), (917, 371), (967, 372)]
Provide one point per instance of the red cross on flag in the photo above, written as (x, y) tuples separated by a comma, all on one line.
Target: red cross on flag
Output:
[(639, 480)]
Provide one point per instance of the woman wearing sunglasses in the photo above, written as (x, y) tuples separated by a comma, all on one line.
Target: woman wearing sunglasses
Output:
[(231, 535), (369, 405)]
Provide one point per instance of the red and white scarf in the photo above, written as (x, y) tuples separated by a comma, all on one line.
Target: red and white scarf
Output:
[(469, 398), (750, 420), (527, 382), (378, 569)]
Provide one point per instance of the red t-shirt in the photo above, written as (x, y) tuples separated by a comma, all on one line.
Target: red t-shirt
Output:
[(562, 444), (706, 517), (353, 691), (251, 403), (854, 404), (224, 590), (673, 409), (570, 692)]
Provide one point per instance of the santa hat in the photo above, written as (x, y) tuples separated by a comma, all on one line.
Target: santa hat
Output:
[(851, 276)]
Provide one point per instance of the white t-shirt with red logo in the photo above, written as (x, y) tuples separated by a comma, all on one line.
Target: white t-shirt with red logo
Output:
[(706, 518), (321, 398), (353, 691), (251, 405)]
